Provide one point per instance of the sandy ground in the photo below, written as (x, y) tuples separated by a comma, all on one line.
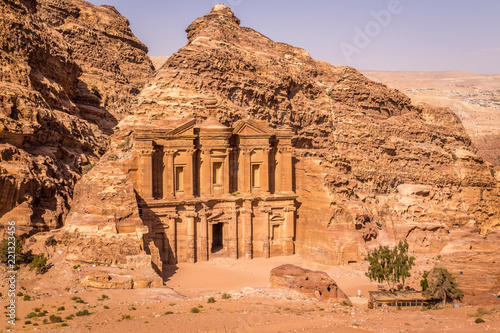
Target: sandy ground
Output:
[(251, 307)]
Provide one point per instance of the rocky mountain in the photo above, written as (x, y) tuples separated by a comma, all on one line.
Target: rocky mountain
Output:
[(473, 97), (68, 72), (370, 165)]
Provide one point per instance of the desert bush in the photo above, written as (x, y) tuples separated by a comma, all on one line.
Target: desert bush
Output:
[(479, 320), (55, 319), (82, 313), (195, 310), (18, 250), (226, 296), (211, 300), (38, 262)]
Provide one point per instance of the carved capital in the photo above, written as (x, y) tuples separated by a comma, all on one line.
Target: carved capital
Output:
[(146, 151), (290, 209), (170, 151), (190, 152), (191, 214), (245, 211), (266, 210), (206, 151), (246, 151), (285, 149), (172, 216)]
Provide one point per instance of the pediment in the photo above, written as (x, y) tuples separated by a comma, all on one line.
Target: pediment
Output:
[(252, 127), (186, 128)]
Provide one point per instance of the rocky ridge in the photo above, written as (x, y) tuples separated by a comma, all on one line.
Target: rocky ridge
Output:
[(370, 166), (69, 70)]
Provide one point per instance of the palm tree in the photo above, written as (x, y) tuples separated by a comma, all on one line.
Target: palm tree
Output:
[(442, 285)]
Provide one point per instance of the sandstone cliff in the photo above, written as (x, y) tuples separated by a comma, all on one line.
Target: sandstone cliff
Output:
[(370, 166), (68, 72)]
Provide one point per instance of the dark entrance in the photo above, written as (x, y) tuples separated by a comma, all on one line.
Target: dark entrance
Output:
[(217, 240)]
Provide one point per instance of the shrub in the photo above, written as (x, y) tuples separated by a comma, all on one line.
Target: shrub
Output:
[(64, 324), (126, 317), (18, 250), (27, 298), (195, 310), (61, 308), (19, 294), (83, 313), (85, 170), (69, 317), (169, 313), (226, 296), (479, 320), (38, 262), (27, 322), (106, 307), (95, 91), (78, 299), (211, 300), (30, 315), (55, 319), (442, 285)]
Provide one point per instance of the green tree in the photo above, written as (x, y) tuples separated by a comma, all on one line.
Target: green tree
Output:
[(442, 285), (4, 250), (390, 265)]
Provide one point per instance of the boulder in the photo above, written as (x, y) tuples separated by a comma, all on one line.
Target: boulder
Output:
[(312, 283)]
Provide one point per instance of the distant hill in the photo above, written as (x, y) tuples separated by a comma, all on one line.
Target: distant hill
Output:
[(475, 98)]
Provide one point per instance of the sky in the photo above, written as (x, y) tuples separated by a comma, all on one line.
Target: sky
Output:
[(412, 35)]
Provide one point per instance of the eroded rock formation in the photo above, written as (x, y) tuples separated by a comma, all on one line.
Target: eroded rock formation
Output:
[(312, 283), (53, 121), (370, 166)]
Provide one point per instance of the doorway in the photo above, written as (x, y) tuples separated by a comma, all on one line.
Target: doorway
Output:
[(217, 237)]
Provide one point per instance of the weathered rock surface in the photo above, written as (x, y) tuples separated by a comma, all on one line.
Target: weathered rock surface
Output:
[(51, 123), (473, 97), (370, 166), (312, 283), (474, 261)]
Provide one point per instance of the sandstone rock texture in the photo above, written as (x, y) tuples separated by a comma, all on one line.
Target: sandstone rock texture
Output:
[(312, 283), (53, 122), (473, 97), (370, 166)]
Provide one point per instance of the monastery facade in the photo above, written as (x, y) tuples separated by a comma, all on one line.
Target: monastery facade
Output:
[(207, 190)]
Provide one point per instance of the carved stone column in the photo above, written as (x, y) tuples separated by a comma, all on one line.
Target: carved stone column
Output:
[(278, 178), (190, 215), (289, 230), (188, 175), (204, 234), (172, 217), (264, 186), (233, 235), (267, 245), (146, 172), (227, 175), (246, 216), (168, 173), (205, 174), (286, 169), (247, 163)]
